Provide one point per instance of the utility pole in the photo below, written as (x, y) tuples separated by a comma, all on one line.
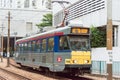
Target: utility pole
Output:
[(8, 40), (109, 39), (2, 43)]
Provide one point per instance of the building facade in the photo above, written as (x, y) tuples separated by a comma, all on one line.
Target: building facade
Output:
[(94, 13), (25, 4), (24, 15)]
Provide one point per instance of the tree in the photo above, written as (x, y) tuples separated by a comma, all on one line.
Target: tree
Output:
[(46, 21), (98, 37)]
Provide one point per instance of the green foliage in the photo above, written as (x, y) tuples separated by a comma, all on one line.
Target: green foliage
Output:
[(46, 21), (98, 38)]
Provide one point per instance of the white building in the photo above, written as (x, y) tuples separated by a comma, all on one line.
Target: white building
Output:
[(94, 12), (25, 14), (22, 21), (25, 4)]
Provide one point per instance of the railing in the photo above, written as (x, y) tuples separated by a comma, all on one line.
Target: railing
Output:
[(100, 67)]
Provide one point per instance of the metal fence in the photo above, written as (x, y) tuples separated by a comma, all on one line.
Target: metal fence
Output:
[(100, 67)]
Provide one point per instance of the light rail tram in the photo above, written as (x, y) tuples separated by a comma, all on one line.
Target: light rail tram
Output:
[(65, 49)]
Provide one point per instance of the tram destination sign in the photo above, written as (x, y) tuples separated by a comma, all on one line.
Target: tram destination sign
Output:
[(80, 30)]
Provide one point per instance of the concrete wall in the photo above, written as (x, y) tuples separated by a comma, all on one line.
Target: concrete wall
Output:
[(100, 58), (101, 54)]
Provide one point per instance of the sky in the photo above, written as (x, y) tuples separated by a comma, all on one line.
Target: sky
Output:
[(57, 7)]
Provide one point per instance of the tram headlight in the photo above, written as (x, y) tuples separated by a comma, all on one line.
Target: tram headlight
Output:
[(86, 61), (74, 61)]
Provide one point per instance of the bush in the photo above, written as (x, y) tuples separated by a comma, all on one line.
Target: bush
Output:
[(98, 37)]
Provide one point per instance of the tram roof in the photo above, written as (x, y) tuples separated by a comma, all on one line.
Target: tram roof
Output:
[(45, 33)]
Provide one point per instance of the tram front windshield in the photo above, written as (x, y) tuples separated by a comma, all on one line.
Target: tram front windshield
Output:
[(80, 43)]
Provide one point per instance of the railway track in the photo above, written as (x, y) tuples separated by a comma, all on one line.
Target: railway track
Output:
[(12, 74), (59, 76)]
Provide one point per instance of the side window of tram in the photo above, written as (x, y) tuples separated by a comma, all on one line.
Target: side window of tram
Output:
[(21, 48), (17, 48), (38, 46), (25, 47), (63, 43), (33, 46), (29, 46), (44, 45), (50, 44)]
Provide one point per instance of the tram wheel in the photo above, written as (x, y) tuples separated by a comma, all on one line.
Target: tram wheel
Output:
[(47, 72)]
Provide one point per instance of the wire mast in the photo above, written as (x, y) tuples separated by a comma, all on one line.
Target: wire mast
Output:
[(66, 12)]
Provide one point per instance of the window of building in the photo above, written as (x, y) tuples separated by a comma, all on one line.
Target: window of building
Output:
[(115, 36), (29, 26), (34, 3), (18, 4), (48, 4), (4, 3), (11, 3), (26, 3)]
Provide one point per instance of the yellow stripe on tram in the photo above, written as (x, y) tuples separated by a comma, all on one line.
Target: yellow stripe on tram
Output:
[(79, 57)]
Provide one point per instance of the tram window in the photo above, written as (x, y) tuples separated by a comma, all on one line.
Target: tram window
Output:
[(29, 46), (18, 49), (25, 47), (44, 45), (50, 44), (21, 48), (63, 43), (33, 46), (79, 43), (38, 46)]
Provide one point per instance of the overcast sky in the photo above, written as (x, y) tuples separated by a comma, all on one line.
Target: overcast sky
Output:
[(57, 7)]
